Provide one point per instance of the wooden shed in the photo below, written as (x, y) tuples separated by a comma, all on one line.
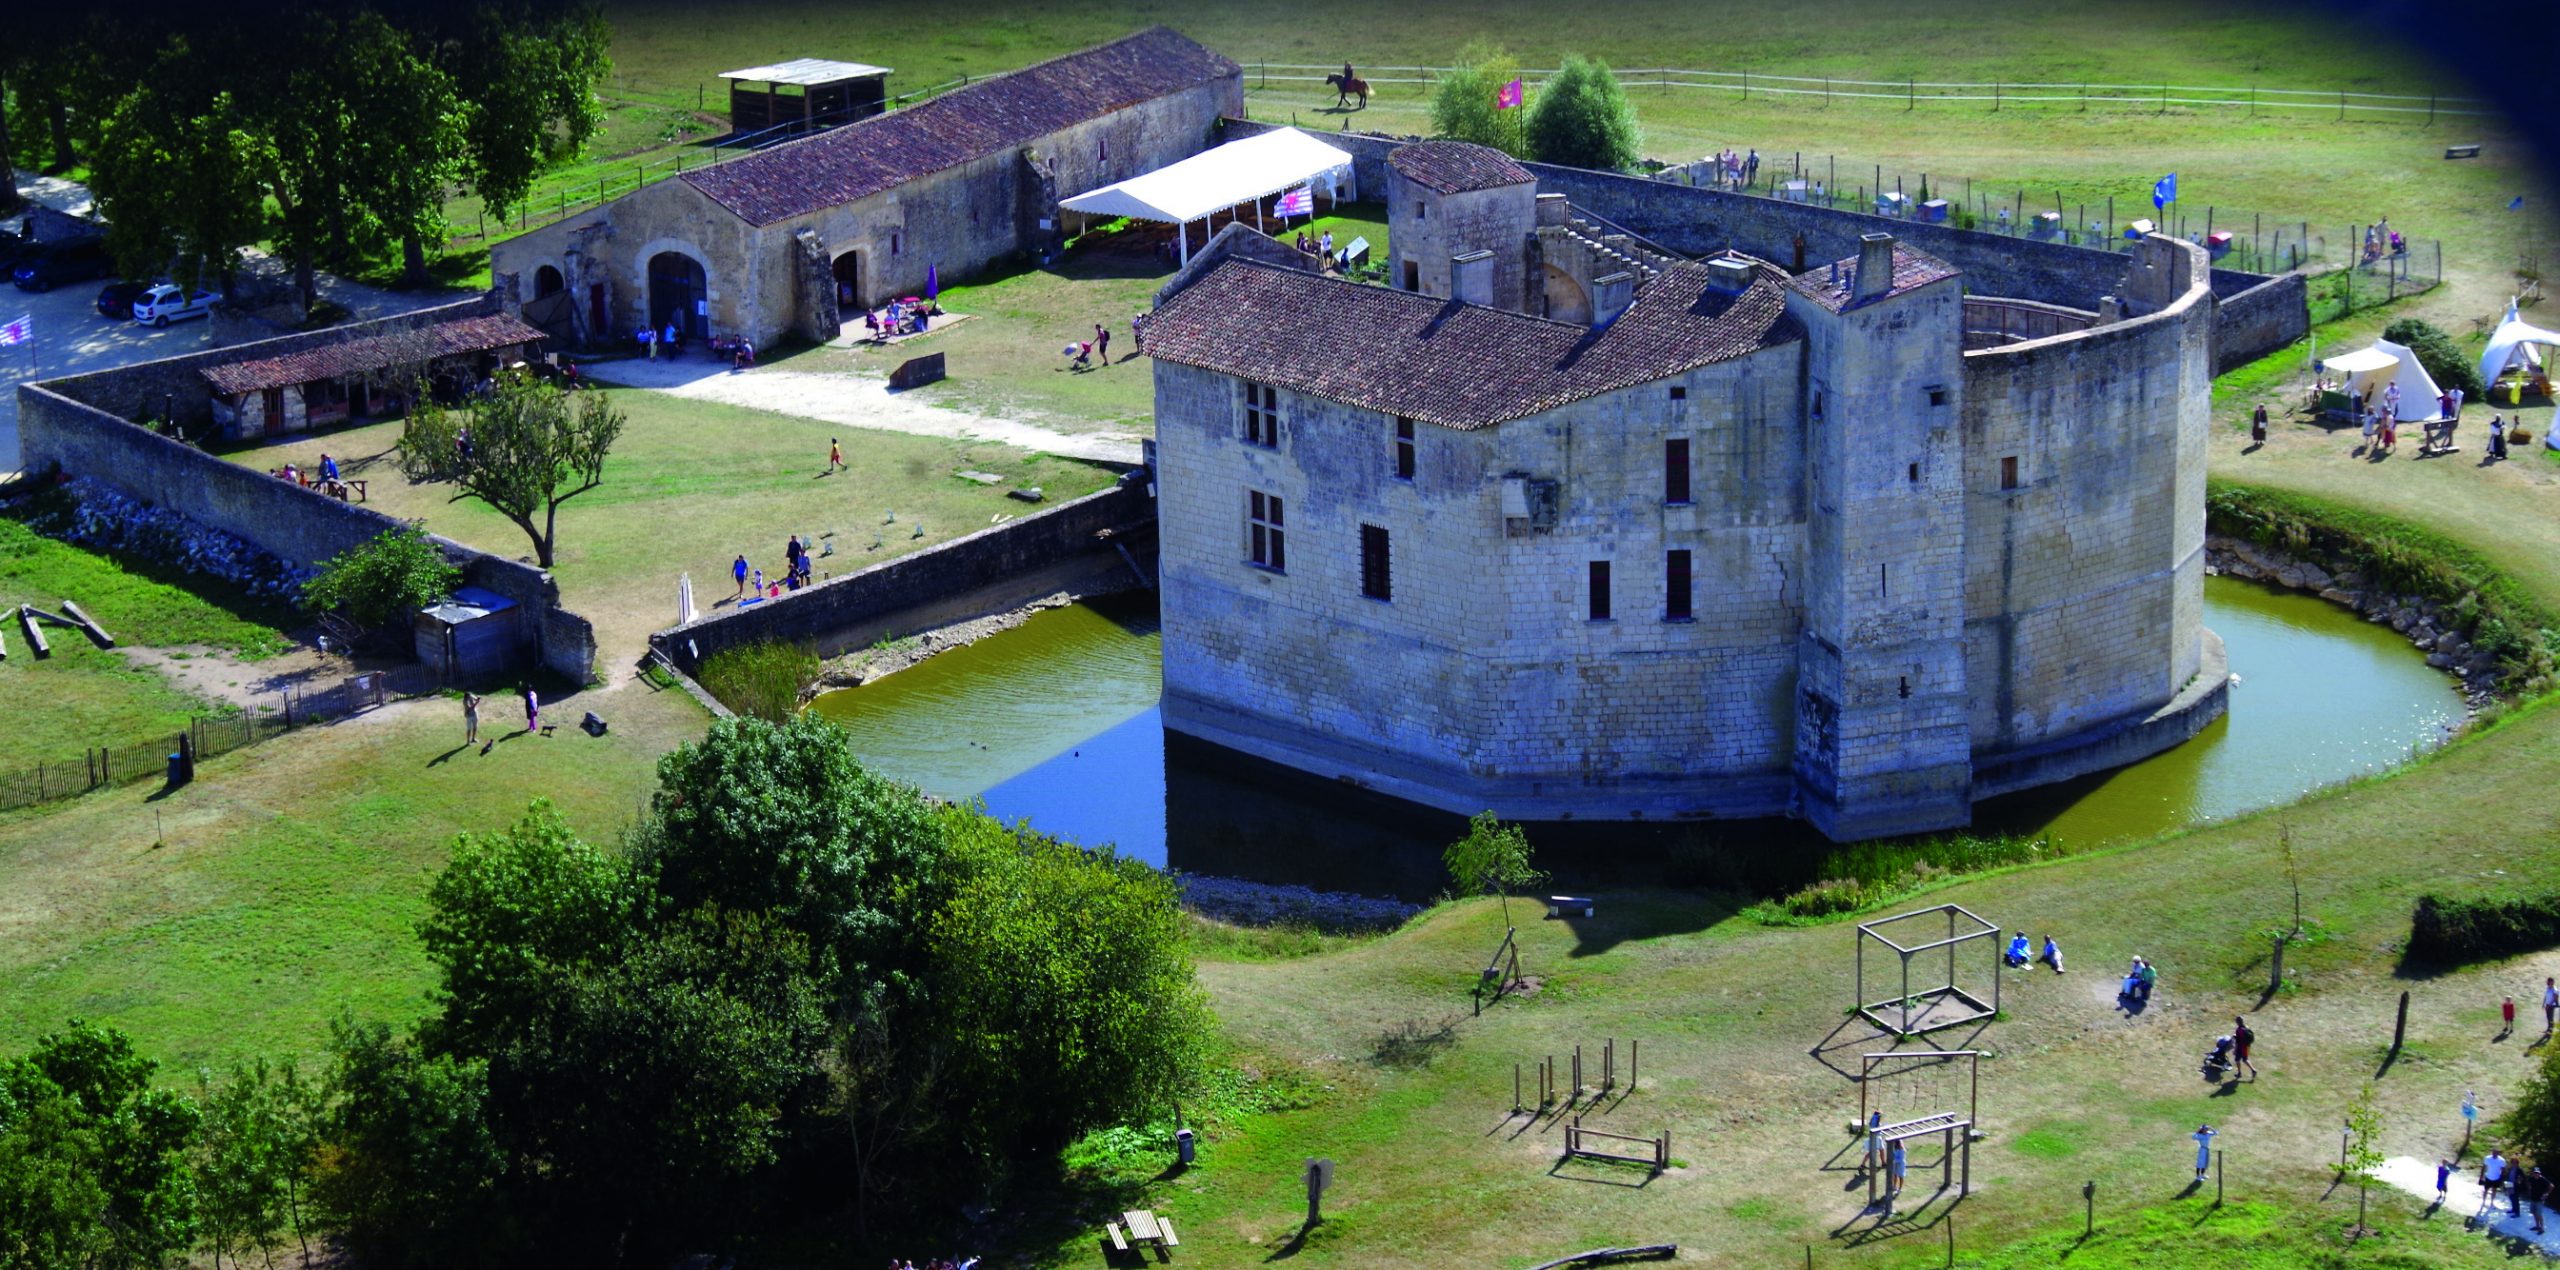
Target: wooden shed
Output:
[(825, 94), (475, 637)]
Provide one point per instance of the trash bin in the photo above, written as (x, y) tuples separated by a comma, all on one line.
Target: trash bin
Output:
[(177, 769), (1182, 1145)]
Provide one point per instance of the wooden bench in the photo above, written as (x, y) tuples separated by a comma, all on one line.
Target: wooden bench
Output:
[(1119, 1242), (1164, 1227), (1569, 906), (2462, 152)]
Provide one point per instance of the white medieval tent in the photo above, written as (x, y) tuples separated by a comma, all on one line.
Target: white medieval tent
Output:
[(2389, 363), (1201, 186), (2514, 345)]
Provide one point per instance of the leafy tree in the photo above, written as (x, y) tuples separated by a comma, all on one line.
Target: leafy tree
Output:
[(253, 1157), (2364, 1152), (401, 173), (1492, 857), (2443, 359), (92, 1159), (1583, 119), (528, 85), (377, 582), (529, 452), (512, 916), (412, 1170), (2534, 1124), (1464, 105), (1062, 984), (178, 184)]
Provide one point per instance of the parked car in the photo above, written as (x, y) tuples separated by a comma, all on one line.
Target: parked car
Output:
[(116, 301), (51, 268), (169, 302)]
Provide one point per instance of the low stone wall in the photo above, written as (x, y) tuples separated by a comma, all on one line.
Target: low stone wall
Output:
[(847, 612), (2259, 319)]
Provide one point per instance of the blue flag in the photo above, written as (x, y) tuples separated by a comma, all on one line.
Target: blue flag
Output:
[(2166, 192), (2516, 204)]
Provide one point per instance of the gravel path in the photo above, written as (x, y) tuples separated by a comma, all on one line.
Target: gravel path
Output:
[(2464, 1199), (854, 401)]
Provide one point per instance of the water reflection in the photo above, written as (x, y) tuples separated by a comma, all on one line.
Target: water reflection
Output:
[(1057, 721)]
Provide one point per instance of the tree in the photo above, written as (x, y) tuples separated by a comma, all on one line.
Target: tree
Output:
[(377, 582), (2534, 1124), (178, 184), (403, 171), (1465, 103), (92, 1159), (1582, 119), (2442, 358), (2364, 1154), (529, 450), (529, 87), (513, 915), (412, 1171), (1062, 984), (258, 1143), (1492, 857)]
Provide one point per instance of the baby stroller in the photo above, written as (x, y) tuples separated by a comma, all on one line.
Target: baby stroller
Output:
[(2217, 1063)]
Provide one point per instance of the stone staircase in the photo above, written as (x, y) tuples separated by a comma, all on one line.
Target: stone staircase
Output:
[(1587, 251)]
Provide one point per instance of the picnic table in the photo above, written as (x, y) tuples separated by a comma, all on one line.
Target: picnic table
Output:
[(1145, 1229)]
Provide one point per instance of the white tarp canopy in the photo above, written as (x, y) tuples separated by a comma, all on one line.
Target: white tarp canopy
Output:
[(2389, 363), (2513, 340), (1213, 180)]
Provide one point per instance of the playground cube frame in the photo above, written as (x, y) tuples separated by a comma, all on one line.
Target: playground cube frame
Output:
[(1933, 1006)]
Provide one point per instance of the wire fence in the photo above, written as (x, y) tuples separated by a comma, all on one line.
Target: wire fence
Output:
[(2341, 103), (129, 761)]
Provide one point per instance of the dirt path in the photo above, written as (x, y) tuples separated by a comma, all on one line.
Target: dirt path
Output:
[(855, 401)]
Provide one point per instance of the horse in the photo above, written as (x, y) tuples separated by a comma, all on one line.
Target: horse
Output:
[(1346, 87)]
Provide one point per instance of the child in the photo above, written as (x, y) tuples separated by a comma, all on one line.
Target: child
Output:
[(835, 455), (2508, 1010), (2444, 1174)]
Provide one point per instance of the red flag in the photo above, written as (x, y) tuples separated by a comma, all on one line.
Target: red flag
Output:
[(1508, 97)]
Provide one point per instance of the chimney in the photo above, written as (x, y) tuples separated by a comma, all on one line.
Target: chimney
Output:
[(1471, 278), (1553, 209), (1875, 267), (1729, 275), (1610, 297)]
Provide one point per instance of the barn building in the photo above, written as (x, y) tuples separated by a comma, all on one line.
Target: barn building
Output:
[(787, 238), (1564, 526)]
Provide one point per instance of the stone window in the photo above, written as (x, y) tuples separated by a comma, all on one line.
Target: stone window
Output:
[(1679, 392), (1675, 587), (1261, 415), (1600, 590), (1915, 473), (1376, 581), (1404, 448), (2009, 472), (1937, 395), (1421, 210), (895, 244), (1675, 471), (1266, 538), (1102, 150)]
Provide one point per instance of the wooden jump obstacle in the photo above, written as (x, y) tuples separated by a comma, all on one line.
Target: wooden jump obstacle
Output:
[(1548, 1072), (1954, 1127), (1578, 1141)]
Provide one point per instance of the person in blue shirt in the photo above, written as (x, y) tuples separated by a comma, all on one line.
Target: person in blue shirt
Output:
[(2018, 949), (328, 468)]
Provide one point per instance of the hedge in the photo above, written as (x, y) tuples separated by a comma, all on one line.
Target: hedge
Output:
[(2453, 932)]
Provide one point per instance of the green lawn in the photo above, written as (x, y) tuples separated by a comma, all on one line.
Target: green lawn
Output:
[(693, 484), (82, 695)]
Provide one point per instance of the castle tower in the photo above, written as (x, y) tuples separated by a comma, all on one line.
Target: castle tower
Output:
[(1459, 217), (1882, 741)]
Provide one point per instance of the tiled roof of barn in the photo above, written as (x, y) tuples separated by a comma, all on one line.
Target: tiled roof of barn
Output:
[(374, 352), (1834, 286), (1455, 365), (1454, 167), (988, 117)]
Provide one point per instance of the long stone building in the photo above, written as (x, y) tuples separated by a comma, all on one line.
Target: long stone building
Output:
[(1562, 525), (780, 240)]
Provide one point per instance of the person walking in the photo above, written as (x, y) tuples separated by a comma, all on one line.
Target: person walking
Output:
[(470, 718), (2507, 1011), (2258, 425), (1138, 332), (2204, 1150), (2493, 1174), (1102, 342), (649, 337), (2550, 1002), (1897, 1168), (532, 710), (1875, 1141), (738, 570), (835, 455), (2241, 1039), (2444, 1177)]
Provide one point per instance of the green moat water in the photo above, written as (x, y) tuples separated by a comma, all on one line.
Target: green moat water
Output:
[(1056, 721)]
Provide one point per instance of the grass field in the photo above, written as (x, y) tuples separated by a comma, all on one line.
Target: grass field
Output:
[(693, 484)]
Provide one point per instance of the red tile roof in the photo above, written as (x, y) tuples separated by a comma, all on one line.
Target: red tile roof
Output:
[(1451, 364), (372, 353), (988, 117), (1833, 286), (1454, 167)]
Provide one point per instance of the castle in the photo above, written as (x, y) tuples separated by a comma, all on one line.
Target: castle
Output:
[(1563, 525)]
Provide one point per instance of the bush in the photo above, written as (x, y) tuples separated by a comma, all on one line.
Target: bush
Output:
[(2440, 355), (379, 582), (1463, 103), (2534, 1126), (1583, 119), (2452, 932), (761, 681)]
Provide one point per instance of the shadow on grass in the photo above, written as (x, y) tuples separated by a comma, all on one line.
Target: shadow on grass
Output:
[(1634, 1177), (1891, 1224), (1413, 1043)]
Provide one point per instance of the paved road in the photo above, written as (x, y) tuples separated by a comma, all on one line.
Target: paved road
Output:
[(71, 338), (2463, 1199)]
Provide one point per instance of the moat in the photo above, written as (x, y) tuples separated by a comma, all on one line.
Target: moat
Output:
[(1056, 721)]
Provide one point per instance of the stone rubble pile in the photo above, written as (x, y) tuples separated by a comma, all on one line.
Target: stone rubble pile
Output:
[(1262, 904), (109, 521)]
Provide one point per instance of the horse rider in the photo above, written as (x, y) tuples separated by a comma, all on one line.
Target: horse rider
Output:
[(1347, 76)]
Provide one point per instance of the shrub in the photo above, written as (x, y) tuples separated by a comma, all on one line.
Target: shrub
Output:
[(2452, 932), (1463, 106), (377, 582), (761, 681), (2440, 355), (1583, 119), (2534, 1125)]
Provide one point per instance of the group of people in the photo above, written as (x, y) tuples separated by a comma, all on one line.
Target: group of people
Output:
[(2380, 239), (326, 480), (900, 317), (1315, 244), (937, 1263), (471, 716), (2139, 979), (2017, 952), (1735, 171), (1081, 354), (799, 570), (2526, 1187), (2379, 426), (740, 350)]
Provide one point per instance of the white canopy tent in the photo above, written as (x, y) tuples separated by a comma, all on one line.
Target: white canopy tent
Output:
[(2513, 341), (1202, 185), (2389, 363)]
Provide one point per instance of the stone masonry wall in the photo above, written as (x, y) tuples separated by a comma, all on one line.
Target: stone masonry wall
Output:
[(843, 612), (1428, 228)]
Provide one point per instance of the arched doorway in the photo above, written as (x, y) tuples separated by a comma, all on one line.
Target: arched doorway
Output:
[(848, 272), (1566, 301), (547, 281), (678, 293)]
